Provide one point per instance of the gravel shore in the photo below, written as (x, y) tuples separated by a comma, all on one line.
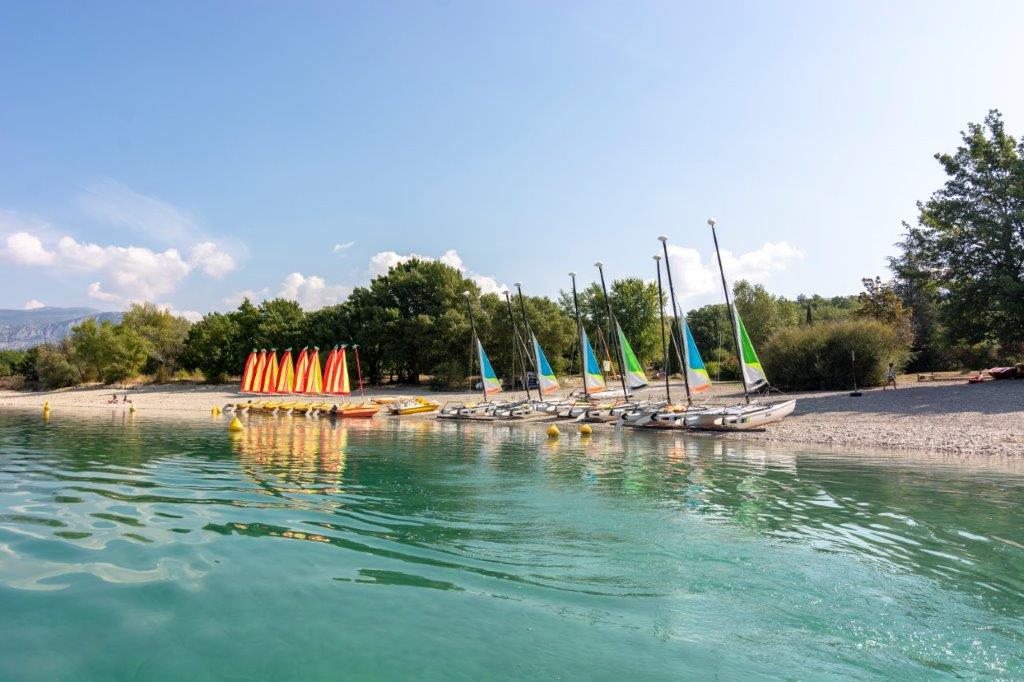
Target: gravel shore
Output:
[(940, 416)]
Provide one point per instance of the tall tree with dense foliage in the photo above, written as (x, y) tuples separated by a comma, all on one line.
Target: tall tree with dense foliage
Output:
[(763, 314), (106, 351), (970, 238), (164, 334), (213, 346)]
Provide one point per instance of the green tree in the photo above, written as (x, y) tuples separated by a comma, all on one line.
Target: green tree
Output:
[(880, 301), (212, 347), (164, 334), (763, 314), (970, 236), (280, 324), (54, 367)]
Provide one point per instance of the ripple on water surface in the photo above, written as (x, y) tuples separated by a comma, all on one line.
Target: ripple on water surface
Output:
[(302, 548)]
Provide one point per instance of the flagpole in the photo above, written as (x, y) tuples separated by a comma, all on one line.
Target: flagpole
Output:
[(613, 331), (729, 311), (579, 331), (675, 316), (664, 345)]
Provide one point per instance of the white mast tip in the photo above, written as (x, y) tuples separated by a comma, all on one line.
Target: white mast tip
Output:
[(657, 257), (598, 264), (517, 284), (711, 222), (572, 274), (663, 239)]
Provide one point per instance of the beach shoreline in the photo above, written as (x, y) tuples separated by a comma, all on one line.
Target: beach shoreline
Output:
[(942, 416)]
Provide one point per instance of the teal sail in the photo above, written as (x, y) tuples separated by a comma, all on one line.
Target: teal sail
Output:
[(546, 379), (487, 375)]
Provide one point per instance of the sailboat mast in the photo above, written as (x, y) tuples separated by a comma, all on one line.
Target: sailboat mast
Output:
[(664, 345), (729, 311), (620, 360), (680, 341), (473, 345), (516, 349), (579, 331), (359, 370), (528, 338)]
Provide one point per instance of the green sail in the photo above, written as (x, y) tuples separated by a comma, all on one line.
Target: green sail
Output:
[(751, 365)]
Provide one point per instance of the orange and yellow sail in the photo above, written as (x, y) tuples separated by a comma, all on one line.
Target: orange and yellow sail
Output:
[(270, 373), (301, 370), (314, 383), (336, 373), (249, 373), (285, 374)]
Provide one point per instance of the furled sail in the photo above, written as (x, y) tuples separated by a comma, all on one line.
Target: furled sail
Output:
[(546, 379)]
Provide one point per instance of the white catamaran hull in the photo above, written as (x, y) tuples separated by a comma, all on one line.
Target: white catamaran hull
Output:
[(741, 417)]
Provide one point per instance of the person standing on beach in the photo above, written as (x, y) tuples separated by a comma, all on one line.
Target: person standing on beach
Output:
[(890, 378)]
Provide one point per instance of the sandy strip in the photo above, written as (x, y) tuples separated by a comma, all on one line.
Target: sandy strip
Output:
[(941, 416)]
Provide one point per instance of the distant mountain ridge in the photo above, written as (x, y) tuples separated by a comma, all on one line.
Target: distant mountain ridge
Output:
[(27, 328)]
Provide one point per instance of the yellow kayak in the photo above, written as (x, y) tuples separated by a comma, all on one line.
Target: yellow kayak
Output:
[(419, 407)]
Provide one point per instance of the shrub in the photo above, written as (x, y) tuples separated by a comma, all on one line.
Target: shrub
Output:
[(818, 356), (54, 368)]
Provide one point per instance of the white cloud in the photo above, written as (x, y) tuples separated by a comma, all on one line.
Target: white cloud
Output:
[(129, 273), (190, 315), (211, 259), (254, 296), (96, 291), (381, 262), (312, 292), (33, 303), (695, 277), (23, 248), (111, 202), (385, 260), (338, 248)]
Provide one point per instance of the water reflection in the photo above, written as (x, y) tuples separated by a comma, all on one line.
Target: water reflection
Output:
[(646, 531)]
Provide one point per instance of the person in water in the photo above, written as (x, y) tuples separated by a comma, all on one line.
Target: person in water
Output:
[(113, 399), (126, 398), (890, 378)]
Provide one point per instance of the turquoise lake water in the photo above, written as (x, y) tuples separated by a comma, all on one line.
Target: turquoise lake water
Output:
[(143, 549)]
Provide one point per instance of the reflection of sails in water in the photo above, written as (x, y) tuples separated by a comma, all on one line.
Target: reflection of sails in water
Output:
[(294, 455)]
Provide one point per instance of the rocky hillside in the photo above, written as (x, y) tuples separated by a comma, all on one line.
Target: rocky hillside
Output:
[(25, 328)]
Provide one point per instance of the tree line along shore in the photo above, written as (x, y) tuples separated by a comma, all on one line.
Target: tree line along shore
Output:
[(955, 300)]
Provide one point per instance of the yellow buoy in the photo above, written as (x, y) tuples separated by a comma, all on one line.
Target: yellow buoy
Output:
[(553, 431), (586, 430), (131, 409), (235, 425)]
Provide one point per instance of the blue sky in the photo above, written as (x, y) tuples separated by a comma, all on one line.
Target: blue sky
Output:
[(189, 152)]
